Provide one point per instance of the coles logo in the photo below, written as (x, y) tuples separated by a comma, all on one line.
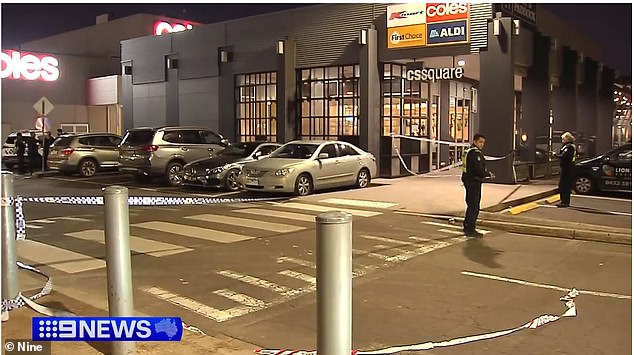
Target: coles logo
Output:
[(162, 27), (27, 66), (437, 12)]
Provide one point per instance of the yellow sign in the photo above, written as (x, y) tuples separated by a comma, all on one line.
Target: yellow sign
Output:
[(407, 36)]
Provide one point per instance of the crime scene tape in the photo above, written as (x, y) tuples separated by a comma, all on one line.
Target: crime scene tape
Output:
[(534, 323), (145, 200)]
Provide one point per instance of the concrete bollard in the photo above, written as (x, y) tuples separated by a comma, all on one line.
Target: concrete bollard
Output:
[(10, 282), (118, 264), (334, 283)]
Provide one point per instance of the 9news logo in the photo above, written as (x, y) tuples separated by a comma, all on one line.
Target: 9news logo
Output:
[(106, 329)]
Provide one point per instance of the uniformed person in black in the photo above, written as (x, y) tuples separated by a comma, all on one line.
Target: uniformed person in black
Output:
[(20, 148), (474, 172), (567, 156)]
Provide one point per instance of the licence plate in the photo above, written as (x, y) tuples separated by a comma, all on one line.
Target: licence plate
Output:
[(8, 151), (253, 182)]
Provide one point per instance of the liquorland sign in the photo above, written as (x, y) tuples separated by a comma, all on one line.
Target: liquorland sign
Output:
[(28, 66), (427, 24)]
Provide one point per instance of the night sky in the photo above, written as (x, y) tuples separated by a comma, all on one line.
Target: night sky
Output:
[(609, 24)]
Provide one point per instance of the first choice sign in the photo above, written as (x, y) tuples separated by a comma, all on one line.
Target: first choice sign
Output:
[(28, 66)]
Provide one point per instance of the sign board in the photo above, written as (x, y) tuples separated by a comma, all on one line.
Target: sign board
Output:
[(28, 66), (43, 106), (527, 13), (43, 124)]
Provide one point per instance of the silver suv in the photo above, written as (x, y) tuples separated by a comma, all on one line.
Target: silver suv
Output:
[(149, 152), (84, 153)]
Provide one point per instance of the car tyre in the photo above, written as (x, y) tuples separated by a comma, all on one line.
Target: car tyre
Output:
[(231, 180), (88, 167), (174, 174), (363, 178), (303, 185), (583, 185)]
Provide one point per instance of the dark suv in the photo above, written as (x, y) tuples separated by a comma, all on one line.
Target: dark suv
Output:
[(164, 151), (609, 171)]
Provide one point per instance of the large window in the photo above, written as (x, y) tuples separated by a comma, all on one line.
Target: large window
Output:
[(256, 111), (404, 103), (329, 102)]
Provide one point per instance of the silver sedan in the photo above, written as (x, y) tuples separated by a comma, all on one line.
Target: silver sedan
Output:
[(301, 167)]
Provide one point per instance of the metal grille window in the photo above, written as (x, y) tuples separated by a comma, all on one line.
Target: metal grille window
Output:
[(329, 102), (256, 111), (404, 103)]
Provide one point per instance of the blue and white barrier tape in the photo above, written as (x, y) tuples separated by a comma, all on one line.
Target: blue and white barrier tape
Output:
[(145, 200)]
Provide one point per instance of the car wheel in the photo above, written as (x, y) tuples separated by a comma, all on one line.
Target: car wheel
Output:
[(231, 180), (87, 167), (583, 185), (363, 178), (303, 185), (174, 174)]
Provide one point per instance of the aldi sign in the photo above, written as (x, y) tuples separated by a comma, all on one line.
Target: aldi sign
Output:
[(441, 23)]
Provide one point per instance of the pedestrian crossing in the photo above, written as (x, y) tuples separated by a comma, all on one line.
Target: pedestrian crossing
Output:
[(294, 275)]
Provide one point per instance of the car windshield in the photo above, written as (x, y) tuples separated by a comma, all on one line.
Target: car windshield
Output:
[(138, 137), (295, 151), (238, 150)]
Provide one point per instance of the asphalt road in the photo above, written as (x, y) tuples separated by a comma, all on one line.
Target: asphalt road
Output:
[(248, 271)]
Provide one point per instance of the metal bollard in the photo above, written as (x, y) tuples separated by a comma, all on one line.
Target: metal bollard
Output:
[(334, 283), (10, 284), (118, 265)]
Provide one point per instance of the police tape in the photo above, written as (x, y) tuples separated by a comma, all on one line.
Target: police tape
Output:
[(146, 200), (449, 143), (534, 323)]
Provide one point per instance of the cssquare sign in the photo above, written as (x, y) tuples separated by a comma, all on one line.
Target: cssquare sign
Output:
[(434, 74)]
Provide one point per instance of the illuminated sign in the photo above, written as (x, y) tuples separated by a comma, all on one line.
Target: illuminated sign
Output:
[(28, 66), (162, 27), (441, 23), (406, 36), (434, 74)]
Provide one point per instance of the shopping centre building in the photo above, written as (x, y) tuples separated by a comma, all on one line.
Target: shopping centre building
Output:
[(410, 83)]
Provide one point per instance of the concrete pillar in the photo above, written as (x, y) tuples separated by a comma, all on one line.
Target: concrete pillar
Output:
[(496, 99), (370, 125), (587, 107), (127, 96), (535, 98), (171, 92), (564, 99), (227, 97), (444, 120), (605, 108), (287, 93)]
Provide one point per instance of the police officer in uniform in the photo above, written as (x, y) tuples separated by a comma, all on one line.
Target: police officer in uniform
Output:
[(474, 172), (567, 156)]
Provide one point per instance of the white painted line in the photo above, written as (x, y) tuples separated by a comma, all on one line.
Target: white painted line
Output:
[(594, 209), (552, 287), (359, 203), (316, 208), (445, 225), (33, 226), (299, 276), (251, 280), (249, 223), (599, 198), (138, 244), (278, 214), (371, 254), (305, 263), (190, 304), (75, 219), (240, 298), (193, 232), (451, 231), (420, 239), (44, 220), (386, 240), (58, 258)]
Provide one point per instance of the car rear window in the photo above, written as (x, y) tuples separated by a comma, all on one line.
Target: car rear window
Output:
[(138, 137), (62, 141), (10, 140)]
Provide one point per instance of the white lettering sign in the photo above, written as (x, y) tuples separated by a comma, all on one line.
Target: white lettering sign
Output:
[(26, 66), (434, 74), (161, 27)]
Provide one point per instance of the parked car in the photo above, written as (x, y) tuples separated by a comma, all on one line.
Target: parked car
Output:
[(164, 151), (610, 171), (223, 169), (302, 167), (85, 153), (9, 152)]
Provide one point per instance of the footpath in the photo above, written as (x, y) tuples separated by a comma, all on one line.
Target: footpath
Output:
[(438, 196)]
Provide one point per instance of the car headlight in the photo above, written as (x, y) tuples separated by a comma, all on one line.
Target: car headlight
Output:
[(284, 172), (216, 170)]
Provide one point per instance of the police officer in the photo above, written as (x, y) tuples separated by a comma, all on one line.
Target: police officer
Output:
[(474, 172), (20, 146), (567, 156)]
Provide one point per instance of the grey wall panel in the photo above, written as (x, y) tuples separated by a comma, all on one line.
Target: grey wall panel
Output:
[(148, 55), (198, 102), (149, 105), (197, 51)]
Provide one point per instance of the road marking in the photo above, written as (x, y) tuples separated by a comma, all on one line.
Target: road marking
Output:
[(58, 258), (359, 203), (250, 223), (552, 287), (33, 226), (75, 219), (553, 198), (600, 198), (305, 263), (371, 254), (316, 208), (383, 239), (278, 214), (190, 304), (419, 239), (240, 298), (299, 276), (451, 231), (251, 280), (193, 232), (138, 244), (523, 208), (445, 225), (592, 210), (44, 220)]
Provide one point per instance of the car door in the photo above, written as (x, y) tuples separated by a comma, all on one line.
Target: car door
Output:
[(350, 163), (106, 151), (616, 171), (212, 142), (327, 170)]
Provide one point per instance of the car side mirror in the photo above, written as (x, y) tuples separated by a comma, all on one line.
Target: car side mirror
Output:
[(260, 157), (224, 142), (322, 156)]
